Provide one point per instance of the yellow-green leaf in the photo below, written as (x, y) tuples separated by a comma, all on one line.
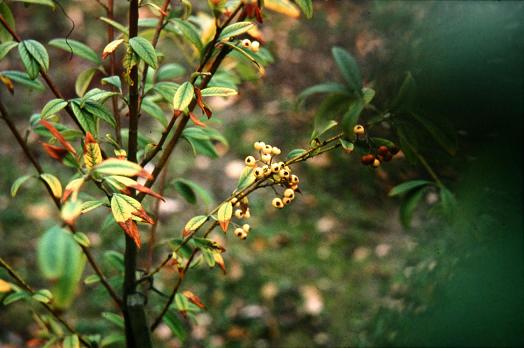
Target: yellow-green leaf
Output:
[(145, 50), (111, 47), (70, 211), (224, 215), (247, 177), (115, 166), (235, 29), (218, 92), (18, 182), (72, 189), (92, 152), (53, 183), (52, 107), (183, 96), (194, 224)]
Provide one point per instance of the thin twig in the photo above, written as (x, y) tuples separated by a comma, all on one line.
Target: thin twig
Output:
[(154, 227), (23, 284)]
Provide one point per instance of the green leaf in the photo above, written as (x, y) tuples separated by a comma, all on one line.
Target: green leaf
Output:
[(86, 119), (447, 140), (115, 25), (54, 184), (244, 53), (98, 95), (409, 204), (52, 107), (145, 50), (15, 296), (23, 79), (115, 259), (295, 153), (323, 128), (71, 342), (77, 48), (114, 81), (30, 64), (175, 324), (190, 190), (170, 71), (367, 95), (114, 166), (247, 177), (113, 339), (218, 92), (84, 80), (90, 205), (235, 29), (306, 6), (49, 3), (328, 87), (406, 94), (408, 186), (181, 303), (6, 47), (348, 68), (91, 279), (100, 111), (6, 13), (43, 295), (19, 182), (183, 96), (329, 110), (51, 252), (346, 145), (381, 141), (187, 30), (200, 142), (38, 52), (114, 318), (151, 108), (447, 201), (351, 117), (82, 239)]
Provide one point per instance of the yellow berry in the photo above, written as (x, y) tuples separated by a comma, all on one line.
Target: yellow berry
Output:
[(234, 200), (259, 172), (239, 213), (267, 149), (286, 200), (376, 163), (266, 158), (247, 214), (277, 203), (287, 168), (359, 129), (289, 193), (284, 173), (237, 205), (239, 232), (246, 43), (259, 145), (276, 151), (275, 167), (245, 200), (250, 161), (246, 228), (294, 179), (255, 46), (266, 170)]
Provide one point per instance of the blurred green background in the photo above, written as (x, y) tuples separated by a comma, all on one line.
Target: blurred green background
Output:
[(336, 268)]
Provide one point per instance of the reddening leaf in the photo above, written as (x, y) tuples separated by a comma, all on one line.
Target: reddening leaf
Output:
[(183, 96), (77, 48), (225, 211), (201, 104), (196, 121), (115, 166), (235, 29), (70, 211), (125, 210), (6, 81), (72, 189), (53, 183), (194, 298), (52, 107), (56, 152), (19, 182), (131, 229), (219, 260), (58, 136), (123, 183), (194, 224), (111, 47), (92, 152), (145, 50)]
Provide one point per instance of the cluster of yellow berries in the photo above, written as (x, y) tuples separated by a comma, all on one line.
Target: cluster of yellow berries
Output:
[(242, 232), (241, 212), (278, 172), (252, 45)]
